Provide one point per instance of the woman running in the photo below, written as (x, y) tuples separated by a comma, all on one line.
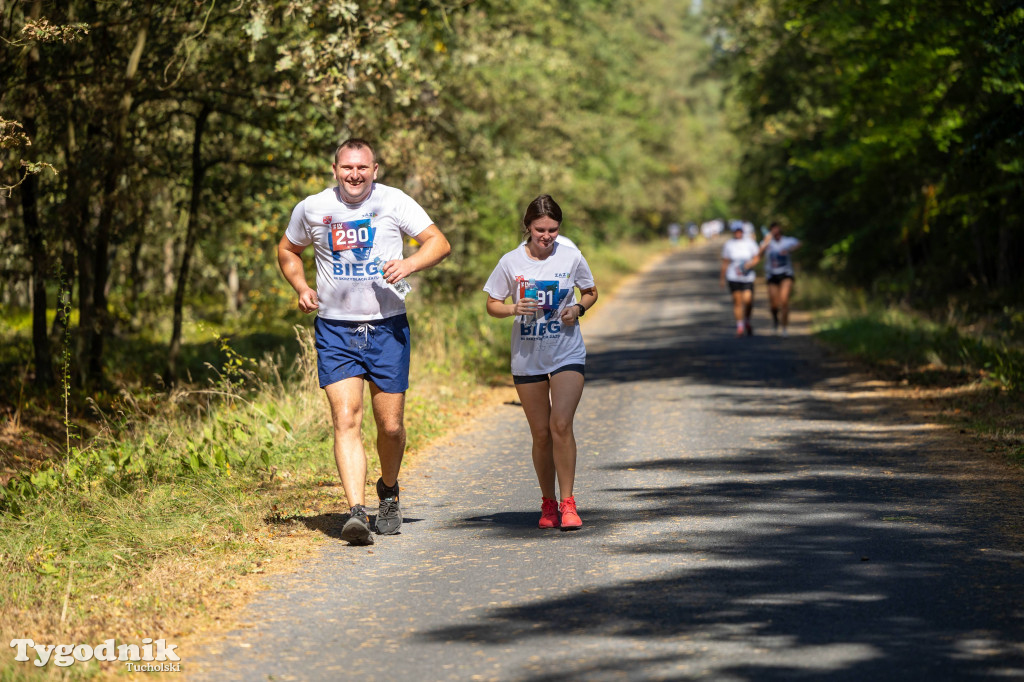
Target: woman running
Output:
[(778, 272), (739, 256), (548, 355)]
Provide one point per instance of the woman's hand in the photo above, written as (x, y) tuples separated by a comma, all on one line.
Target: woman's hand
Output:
[(525, 306), (571, 315)]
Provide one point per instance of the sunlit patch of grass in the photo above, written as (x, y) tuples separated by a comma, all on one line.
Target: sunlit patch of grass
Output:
[(903, 341), (905, 346)]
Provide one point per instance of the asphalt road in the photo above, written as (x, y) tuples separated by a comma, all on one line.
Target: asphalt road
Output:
[(752, 511)]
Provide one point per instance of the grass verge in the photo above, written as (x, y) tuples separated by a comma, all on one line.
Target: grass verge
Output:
[(967, 380), (164, 522)]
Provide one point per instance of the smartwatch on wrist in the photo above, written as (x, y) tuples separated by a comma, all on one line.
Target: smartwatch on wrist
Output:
[(583, 310)]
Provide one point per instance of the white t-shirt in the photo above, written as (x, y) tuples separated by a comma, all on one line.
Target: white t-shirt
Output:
[(346, 238), (780, 263), (738, 252), (543, 344)]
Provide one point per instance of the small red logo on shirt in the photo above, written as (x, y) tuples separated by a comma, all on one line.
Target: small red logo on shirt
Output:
[(327, 220)]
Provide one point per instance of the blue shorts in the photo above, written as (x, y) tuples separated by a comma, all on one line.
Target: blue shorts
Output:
[(377, 350)]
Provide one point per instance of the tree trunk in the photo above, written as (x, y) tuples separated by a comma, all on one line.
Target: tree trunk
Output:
[(168, 266), (86, 306), (135, 282), (171, 372), (100, 327), (34, 240), (232, 288), (37, 250)]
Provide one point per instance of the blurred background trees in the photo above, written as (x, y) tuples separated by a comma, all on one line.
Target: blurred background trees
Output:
[(891, 135), (181, 133), (151, 151)]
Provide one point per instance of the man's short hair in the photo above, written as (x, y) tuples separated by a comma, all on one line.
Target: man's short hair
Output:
[(355, 143)]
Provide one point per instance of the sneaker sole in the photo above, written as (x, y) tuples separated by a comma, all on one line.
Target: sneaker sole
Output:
[(356, 533)]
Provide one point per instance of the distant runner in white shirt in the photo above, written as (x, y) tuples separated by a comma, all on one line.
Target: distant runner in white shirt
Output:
[(548, 355), (739, 256), (778, 271)]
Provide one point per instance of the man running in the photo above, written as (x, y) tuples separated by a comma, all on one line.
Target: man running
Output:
[(362, 333)]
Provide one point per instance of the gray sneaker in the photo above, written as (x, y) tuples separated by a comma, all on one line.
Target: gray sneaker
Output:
[(389, 516), (357, 529), (389, 513)]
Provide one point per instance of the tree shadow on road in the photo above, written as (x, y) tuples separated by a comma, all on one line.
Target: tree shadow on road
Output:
[(822, 553), (778, 563)]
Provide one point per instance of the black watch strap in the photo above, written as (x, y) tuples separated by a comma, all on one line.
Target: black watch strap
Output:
[(583, 311)]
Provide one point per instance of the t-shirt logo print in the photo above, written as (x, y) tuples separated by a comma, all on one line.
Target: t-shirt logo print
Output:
[(355, 236)]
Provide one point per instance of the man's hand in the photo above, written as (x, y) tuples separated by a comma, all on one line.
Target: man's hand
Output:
[(308, 301), (396, 270), (289, 257)]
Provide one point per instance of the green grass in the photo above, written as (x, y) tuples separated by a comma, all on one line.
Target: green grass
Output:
[(147, 528), (974, 382), (905, 341)]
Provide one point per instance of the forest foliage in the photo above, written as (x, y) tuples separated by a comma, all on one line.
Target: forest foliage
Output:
[(891, 136), (153, 151)]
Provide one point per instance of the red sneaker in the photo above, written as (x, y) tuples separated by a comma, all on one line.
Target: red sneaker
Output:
[(548, 513), (570, 519)]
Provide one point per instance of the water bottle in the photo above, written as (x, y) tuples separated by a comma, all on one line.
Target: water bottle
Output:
[(401, 287), (530, 292)]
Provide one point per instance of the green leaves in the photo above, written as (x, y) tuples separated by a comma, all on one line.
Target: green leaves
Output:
[(870, 102)]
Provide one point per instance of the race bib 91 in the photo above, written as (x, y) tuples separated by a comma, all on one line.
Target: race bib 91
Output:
[(548, 295)]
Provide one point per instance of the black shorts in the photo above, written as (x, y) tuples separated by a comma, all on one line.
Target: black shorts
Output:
[(778, 279), (740, 286), (537, 378)]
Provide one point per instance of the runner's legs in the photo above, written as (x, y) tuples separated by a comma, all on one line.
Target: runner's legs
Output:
[(346, 401), (566, 390), (389, 414), (535, 399), (785, 290), (774, 294)]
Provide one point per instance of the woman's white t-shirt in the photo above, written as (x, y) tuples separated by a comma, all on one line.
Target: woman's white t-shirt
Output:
[(780, 263), (738, 252), (346, 239), (544, 344)]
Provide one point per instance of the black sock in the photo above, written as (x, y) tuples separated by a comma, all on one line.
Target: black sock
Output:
[(385, 491)]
